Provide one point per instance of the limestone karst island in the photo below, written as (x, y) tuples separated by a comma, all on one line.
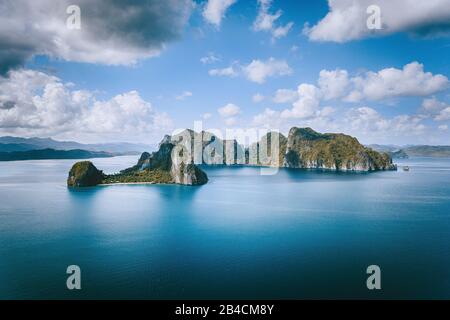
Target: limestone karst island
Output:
[(304, 148)]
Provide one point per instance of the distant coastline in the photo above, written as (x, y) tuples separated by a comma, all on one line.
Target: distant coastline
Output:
[(401, 152), (52, 154), (20, 149)]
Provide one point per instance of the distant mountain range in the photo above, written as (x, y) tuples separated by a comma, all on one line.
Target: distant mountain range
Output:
[(9, 144), (413, 151), (16, 148), (52, 154)]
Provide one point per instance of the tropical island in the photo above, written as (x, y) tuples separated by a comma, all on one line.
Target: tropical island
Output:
[(178, 157)]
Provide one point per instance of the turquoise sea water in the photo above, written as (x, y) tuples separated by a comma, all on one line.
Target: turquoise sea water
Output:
[(298, 234)]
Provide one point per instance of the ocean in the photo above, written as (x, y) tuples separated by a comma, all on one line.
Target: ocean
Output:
[(294, 235)]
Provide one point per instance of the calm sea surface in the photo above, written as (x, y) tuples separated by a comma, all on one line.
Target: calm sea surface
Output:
[(297, 234)]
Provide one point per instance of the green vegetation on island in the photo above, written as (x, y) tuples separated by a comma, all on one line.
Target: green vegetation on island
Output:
[(157, 167), (307, 148), (84, 174), (142, 176), (177, 156)]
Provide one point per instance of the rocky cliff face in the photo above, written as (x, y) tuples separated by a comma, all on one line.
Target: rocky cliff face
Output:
[(307, 148), (269, 151), (189, 174), (167, 165), (84, 174), (177, 156), (206, 148), (171, 157), (303, 148)]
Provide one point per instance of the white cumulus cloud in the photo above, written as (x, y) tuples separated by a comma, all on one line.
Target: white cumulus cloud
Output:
[(285, 96), (411, 80), (347, 19), (307, 104), (439, 110), (443, 115), (266, 21), (367, 121), (269, 118), (215, 10), (40, 104), (333, 84), (229, 110), (258, 71)]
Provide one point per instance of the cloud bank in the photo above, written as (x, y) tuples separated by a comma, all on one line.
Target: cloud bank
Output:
[(112, 32), (347, 19), (34, 103), (309, 103)]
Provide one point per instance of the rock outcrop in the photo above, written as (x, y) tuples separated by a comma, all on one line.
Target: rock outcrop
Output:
[(171, 157), (167, 165), (177, 157), (268, 151), (84, 174), (307, 148), (303, 148), (188, 174)]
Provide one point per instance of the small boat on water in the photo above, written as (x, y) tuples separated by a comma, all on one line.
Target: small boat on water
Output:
[(405, 168)]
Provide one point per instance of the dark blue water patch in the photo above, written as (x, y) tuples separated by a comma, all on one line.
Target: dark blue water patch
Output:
[(296, 234)]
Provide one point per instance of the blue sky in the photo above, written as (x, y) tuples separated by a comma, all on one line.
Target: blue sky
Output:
[(386, 107)]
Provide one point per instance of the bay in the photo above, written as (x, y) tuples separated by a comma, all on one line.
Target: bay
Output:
[(297, 234)]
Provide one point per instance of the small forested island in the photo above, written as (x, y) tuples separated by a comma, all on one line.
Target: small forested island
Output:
[(306, 148), (158, 167), (178, 157)]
